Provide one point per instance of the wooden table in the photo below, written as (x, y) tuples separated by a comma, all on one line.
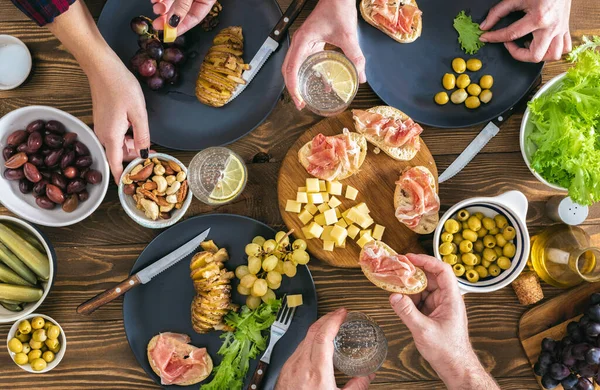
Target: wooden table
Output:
[(100, 251)]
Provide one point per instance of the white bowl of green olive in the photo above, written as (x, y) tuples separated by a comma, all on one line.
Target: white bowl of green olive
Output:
[(36, 343), (485, 240)]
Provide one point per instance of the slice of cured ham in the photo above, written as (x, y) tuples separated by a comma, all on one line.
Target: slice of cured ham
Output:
[(390, 269), (395, 16), (331, 155), (419, 188), (395, 132)]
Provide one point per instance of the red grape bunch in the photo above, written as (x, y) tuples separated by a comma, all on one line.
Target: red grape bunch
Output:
[(155, 62)]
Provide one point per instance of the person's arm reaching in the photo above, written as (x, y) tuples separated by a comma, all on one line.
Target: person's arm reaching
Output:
[(437, 320)]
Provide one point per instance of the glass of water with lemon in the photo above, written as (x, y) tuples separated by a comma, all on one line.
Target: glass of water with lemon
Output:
[(328, 82), (217, 176)]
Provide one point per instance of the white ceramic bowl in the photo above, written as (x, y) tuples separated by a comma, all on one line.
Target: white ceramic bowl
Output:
[(137, 215), (21, 63), (7, 316), (527, 150), (513, 205), (24, 205), (62, 339)]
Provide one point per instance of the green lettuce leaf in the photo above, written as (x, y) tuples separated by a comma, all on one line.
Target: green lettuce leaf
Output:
[(468, 33)]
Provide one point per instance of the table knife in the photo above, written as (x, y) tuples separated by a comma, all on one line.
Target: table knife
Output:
[(143, 276), (488, 132), (273, 41)]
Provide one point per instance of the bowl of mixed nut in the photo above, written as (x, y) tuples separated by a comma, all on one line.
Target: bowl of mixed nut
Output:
[(154, 192)]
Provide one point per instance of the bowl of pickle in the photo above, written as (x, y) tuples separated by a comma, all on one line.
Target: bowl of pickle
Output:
[(485, 240), (36, 343)]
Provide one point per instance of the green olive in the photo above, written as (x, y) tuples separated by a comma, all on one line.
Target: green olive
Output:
[(53, 332), (472, 102), (52, 344), (489, 254), (454, 248), (465, 225), (449, 81), (34, 354), (21, 359), (473, 89), (445, 248), (478, 246), (24, 327), (469, 258), (44, 348), (459, 96), (451, 226), (47, 325), (486, 263), (459, 65), (482, 271), (441, 98), (55, 350), (494, 270), (474, 64), (457, 239), (14, 345), (482, 233), (509, 233), (38, 364), (500, 240), (498, 249), (35, 344), (37, 323), (486, 81), (501, 221), (26, 348), (463, 215), (450, 259), (479, 215), (472, 276), (504, 262), (474, 223), (459, 269), (488, 223), (39, 335), (470, 235), (489, 241), (509, 250), (469, 267), (23, 337), (463, 81), (48, 356), (446, 237), (466, 246), (478, 258), (494, 231), (485, 96)]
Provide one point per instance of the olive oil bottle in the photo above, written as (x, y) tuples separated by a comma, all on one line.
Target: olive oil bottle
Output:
[(562, 256)]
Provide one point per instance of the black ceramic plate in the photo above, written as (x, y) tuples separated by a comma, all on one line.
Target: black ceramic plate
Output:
[(177, 119), (407, 76), (163, 305)]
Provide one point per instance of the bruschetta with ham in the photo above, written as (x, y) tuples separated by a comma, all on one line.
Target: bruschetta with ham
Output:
[(400, 19), (390, 130), (416, 200), (335, 157), (390, 271)]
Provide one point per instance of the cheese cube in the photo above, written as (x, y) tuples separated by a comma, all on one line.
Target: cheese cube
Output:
[(311, 208), (342, 223), (353, 214), (323, 207), (325, 196), (330, 217), (315, 230), (338, 213), (326, 235), (315, 198), (334, 202), (312, 185), (322, 186), (338, 234), (343, 245), (351, 193), (362, 207), (306, 232), (345, 216), (302, 197), (294, 300), (365, 222), (301, 189), (334, 188), (366, 231), (320, 219), (378, 232), (305, 216), (292, 206), (364, 240), (328, 246), (353, 231)]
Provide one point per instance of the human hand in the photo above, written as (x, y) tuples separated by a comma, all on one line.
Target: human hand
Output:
[(312, 362), (333, 22), (548, 20), (183, 14)]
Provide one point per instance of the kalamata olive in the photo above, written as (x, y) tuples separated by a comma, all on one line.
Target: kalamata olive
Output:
[(39, 189), (83, 195), (14, 174), (23, 148), (54, 141), (59, 180), (16, 138), (55, 127), (55, 194), (34, 141), (25, 186), (31, 172), (81, 149), (35, 126), (8, 152), (16, 161), (36, 160), (83, 161), (46, 174), (44, 202), (67, 159), (45, 150), (76, 185), (53, 158), (93, 176), (83, 172), (71, 203), (70, 172), (69, 139)]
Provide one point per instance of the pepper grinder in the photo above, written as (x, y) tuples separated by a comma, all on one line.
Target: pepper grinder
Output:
[(562, 209)]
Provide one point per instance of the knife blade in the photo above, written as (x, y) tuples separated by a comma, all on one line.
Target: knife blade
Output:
[(144, 276), (269, 46)]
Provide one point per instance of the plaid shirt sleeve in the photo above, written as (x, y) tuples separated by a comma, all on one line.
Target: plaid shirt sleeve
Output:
[(43, 11)]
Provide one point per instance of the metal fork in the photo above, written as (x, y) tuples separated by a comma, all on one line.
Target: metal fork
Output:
[(278, 329)]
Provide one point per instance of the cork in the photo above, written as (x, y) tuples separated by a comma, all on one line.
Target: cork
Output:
[(528, 289)]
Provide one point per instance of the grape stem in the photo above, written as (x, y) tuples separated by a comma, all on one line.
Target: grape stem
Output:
[(284, 237)]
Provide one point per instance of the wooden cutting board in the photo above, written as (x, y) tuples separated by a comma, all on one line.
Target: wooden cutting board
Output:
[(550, 319), (375, 182)]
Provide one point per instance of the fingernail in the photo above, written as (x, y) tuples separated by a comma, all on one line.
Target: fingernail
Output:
[(174, 20), (482, 39), (483, 24), (362, 78), (144, 153)]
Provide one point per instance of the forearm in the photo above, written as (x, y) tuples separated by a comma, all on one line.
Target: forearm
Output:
[(467, 374)]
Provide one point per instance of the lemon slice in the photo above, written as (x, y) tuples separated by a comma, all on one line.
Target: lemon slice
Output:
[(338, 76), (231, 181)]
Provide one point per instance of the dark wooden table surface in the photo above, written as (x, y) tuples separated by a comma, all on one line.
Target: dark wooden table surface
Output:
[(96, 253)]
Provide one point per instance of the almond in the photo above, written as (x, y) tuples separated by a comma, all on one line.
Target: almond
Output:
[(149, 185), (174, 166), (182, 193), (162, 202)]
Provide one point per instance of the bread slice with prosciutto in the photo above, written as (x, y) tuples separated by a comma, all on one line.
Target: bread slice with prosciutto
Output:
[(335, 157), (416, 200), (400, 19), (390, 271), (390, 130)]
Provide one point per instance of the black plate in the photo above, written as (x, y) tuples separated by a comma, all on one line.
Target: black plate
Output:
[(163, 305), (177, 119), (407, 76)]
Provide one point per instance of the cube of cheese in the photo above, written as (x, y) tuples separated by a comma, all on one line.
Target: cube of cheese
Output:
[(315, 198), (311, 208), (334, 188), (343, 245), (305, 216), (312, 184), (338, 213), (325, 196), (378, 232), (362, 207), (292, 206), (307, 233), (353, 231), (351, 193), (366, 231), (315, 230), (334, 202), (345, 216), (330, 217), (353, 214), (366, 222), (328, 246), (338, 234), (322, 186), (364, 240), (323, 207), (294, 300), (301, 189), (326, 235), (320, 219), (342, 223), (302, 197)]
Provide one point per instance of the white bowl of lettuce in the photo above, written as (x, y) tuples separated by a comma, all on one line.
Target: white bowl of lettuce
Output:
[(560, 131)]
